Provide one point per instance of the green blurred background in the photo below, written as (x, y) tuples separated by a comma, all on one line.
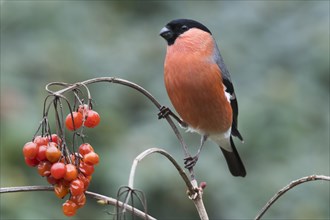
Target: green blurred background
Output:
[(278, 56)]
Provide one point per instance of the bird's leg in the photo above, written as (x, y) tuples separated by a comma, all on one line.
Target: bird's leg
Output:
[(165, 111), (190, 162)]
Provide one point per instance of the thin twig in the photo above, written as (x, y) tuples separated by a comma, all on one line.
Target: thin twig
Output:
[(108, 200), (287, 188), (25, 189)]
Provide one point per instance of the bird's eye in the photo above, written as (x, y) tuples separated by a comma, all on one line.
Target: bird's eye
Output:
[(184, 28)]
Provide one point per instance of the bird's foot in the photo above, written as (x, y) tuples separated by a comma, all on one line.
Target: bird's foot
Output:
[(190, 162), (165, 111)]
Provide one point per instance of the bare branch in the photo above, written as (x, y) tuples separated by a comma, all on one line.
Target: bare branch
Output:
[(25, 189), (105, 199), (287, 188)]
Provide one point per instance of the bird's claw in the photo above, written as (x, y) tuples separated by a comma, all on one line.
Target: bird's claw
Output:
[(163, 112), (190, 162)]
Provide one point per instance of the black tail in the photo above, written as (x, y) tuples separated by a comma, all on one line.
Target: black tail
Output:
[(234, 161)]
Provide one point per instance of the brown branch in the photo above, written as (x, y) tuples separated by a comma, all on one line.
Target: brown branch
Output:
[(106, 199), (287, 188)]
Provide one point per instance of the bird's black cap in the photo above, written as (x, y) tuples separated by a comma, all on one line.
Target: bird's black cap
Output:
[(174, 28)]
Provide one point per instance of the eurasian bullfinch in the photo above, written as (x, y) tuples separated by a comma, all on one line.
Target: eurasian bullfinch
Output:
[(200, 88)]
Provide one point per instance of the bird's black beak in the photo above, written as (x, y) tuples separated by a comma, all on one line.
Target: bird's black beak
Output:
[(166, 33)]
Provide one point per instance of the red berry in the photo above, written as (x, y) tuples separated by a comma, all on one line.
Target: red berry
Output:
[(69, 208), (71, 172), (91, 158), (58, 170), (75, 123), (80, 200), (53, 154), (76, 187), (30, 150), (85, 180), (42, 153), (92, 119), (44, 168), (31, 162), (85, 149), (40, 140), (86, 169), (61, 190)]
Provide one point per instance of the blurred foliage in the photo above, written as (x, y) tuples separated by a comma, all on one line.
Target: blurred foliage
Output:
[(278, 56)]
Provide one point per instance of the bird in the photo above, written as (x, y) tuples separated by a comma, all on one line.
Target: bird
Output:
[(200, 88)]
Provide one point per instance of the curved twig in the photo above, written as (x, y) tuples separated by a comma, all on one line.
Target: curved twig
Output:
[(195, 193), (105, 199), (287, 188), (149, 151)]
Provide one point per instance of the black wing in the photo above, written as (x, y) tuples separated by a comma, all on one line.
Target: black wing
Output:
[(230, 89)]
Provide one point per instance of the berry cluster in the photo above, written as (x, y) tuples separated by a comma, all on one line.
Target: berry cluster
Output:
[(69, 172)]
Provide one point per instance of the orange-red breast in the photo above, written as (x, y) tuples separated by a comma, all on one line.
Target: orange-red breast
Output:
[(200, 88)]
